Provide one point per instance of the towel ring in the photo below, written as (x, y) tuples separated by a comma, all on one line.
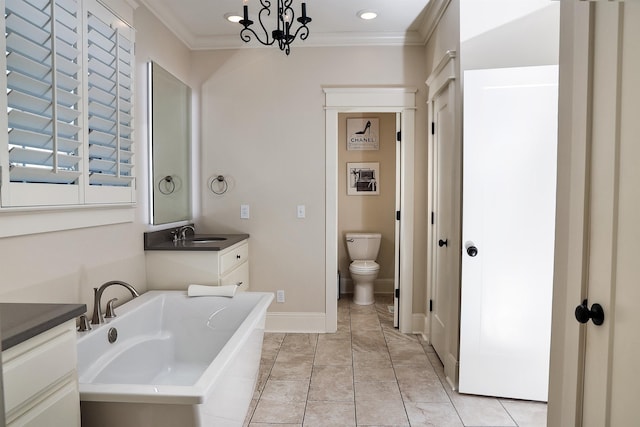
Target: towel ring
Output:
[(169, 185), (221, 183)]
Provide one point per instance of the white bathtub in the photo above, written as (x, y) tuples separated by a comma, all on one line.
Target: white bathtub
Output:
[(177, 361)]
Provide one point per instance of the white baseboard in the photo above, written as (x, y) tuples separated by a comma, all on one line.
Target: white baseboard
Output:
[(380, 286), (418, 322), (296, 322), (451, 369)]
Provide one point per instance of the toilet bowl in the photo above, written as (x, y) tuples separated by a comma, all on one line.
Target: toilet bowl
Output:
[(363, 250)]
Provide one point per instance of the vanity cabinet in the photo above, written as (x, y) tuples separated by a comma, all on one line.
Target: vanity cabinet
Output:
[(41, 381), (177, 269)]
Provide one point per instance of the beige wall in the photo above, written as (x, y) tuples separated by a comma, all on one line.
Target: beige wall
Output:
[(263, 126), (64, 266), (369, 213)]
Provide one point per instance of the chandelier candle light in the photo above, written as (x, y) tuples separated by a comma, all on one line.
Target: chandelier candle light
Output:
[(283, 33)]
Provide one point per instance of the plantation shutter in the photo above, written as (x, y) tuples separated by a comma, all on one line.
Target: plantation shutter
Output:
[(69, 84), (43, 72), (110, 102)]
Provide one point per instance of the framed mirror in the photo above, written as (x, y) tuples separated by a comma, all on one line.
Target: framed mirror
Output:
[(169, 147)]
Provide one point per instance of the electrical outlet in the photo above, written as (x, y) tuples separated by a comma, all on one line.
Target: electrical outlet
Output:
[(244, 211), (280, 296), (301, 211)]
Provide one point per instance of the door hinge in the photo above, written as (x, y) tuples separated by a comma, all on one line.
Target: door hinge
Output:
[(433, 128), (397, 215), (398, 293), (430, 305), (433, 217), (399, 136)]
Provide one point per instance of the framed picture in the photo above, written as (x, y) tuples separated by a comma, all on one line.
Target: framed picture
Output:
[(363, 179), (363, 134)]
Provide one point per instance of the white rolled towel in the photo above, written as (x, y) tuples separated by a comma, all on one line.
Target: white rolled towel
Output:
[(218, 291)]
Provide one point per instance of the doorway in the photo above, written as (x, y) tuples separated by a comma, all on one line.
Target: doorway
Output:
[(368, 196), (399, 101)]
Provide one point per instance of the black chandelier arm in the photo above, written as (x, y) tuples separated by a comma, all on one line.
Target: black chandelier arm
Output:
[(285, 18), (246, 34), (302, 31)]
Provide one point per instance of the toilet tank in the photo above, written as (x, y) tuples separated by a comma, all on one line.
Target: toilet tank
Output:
[(363, 246)]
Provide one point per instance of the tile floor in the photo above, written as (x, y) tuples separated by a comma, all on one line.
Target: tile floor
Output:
[(368, 374)]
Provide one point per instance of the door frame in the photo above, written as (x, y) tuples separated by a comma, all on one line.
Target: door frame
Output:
[(370, 100), (566, 370), (443, 76)]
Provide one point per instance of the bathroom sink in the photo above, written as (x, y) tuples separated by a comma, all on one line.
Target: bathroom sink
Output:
[(207, 239)]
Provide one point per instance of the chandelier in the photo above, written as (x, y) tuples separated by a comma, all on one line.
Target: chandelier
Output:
[(283, 34)]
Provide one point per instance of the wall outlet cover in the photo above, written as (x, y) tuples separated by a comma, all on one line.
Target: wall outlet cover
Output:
[(280, 296)]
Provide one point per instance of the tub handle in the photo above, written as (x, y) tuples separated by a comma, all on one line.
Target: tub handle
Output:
[(239, 284), (110, 313), (84, 324)]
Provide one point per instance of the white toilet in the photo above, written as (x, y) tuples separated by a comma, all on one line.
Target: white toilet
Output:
[(363, 251)]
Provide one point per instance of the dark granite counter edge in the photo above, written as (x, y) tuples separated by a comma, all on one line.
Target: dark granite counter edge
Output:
[(230, 239), (21, 321)]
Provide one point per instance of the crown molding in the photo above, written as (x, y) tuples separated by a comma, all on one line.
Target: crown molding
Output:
[(194, 42), (433, 14)]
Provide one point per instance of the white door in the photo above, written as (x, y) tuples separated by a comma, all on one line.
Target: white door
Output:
[(396, 274), (443, 258), (509, 184)]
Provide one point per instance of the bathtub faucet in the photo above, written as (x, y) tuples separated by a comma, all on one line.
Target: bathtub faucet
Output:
[(97, 295)]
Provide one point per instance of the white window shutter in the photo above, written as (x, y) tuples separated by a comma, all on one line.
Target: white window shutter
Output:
[(69, 86)]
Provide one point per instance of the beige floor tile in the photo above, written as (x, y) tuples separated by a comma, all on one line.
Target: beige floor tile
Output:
[(288, 371), (408, 353), (433, 415), (269, 411), (295, 357), (379, 403), (365, 322), (331, 383), (274, 425), (285, 391), (526, 414), (481, 411), (333, 352), (299, 342), (323, 414), (368, 341), (373, 373), (420, 385)]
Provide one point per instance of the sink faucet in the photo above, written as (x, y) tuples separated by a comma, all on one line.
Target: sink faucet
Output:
[(97, 295), (183, 231)]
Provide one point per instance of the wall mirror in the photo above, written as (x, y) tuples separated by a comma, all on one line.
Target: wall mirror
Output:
[(169, 147)]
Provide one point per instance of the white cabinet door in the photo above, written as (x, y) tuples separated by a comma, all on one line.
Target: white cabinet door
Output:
[(509, 184)]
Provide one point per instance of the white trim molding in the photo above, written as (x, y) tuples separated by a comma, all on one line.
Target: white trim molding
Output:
[(399, 100), (296, 322)]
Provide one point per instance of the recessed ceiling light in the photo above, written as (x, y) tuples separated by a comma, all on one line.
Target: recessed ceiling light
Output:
[(367, 14), (233, 17)]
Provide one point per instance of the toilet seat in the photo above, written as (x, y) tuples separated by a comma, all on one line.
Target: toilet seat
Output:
[(364, 267)]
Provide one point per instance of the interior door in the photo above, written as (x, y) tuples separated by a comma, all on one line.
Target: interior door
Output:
[(443, 203), (509, 182), (396, 276), (611, 387)]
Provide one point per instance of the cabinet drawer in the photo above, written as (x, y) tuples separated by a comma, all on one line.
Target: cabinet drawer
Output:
[(61, 408), (239, 275), (35, 365), (236, 256)]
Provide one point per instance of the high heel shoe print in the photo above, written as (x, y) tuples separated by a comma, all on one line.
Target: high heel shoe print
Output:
[(367, 128)]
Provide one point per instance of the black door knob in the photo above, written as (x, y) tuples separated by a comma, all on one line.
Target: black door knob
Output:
[(442, 243), (472, 250), (596, 313)]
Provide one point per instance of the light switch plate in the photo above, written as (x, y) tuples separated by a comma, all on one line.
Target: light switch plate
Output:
[(301, 211), (244, 211)]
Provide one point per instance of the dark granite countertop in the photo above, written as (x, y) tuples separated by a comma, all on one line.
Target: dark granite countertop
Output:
[(199, 242), (21, 321)]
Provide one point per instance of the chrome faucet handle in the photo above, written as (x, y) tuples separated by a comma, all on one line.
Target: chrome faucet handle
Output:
[(84, 324), (183, 231), (110, 312)]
